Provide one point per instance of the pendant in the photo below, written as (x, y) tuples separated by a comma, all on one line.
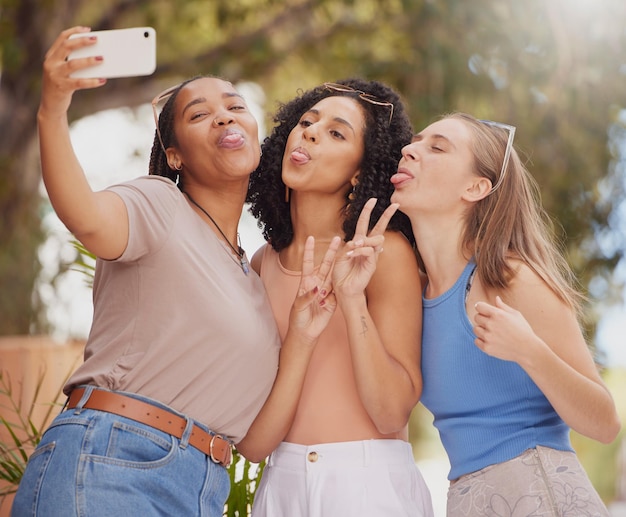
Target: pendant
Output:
[(244, 265)]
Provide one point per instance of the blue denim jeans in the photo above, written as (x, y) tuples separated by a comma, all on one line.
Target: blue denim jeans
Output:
[(92, 463)]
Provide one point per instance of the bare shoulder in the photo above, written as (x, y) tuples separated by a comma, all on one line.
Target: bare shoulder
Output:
[(397, 254), (524, 277), (530, 294), (257, 259), (397, 264), (398, 245)]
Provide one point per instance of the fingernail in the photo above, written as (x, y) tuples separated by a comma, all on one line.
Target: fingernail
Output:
[(323, 292), (99, 58), (315, 289), (322, 303)]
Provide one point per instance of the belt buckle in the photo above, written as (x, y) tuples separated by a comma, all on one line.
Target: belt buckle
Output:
[(213, 458)]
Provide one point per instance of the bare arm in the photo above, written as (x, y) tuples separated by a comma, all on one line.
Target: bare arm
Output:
[(384, 330), (257, 258), (98, 219), (540, 333), (380, 297)]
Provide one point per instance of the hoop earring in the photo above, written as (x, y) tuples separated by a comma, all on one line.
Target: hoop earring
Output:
[(178, 167)]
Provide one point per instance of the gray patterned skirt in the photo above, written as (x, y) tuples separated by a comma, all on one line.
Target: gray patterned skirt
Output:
[(541, 482)]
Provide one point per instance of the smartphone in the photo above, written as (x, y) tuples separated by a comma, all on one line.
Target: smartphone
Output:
[(126, 53)]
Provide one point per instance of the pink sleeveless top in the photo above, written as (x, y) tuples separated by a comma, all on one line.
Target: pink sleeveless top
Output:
[(330, 409)]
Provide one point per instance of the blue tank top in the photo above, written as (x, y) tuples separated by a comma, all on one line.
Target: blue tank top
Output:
[(486, 410)]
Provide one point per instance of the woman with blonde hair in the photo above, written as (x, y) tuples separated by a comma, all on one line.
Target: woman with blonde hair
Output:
[(506, 370)]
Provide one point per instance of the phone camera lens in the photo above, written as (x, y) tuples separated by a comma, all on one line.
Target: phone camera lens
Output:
[(145, 34)]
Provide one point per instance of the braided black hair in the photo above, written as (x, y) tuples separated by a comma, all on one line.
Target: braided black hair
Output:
[(158, 160), (382, 152)]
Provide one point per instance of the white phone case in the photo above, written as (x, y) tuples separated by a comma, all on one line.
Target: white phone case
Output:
[(126, 52)]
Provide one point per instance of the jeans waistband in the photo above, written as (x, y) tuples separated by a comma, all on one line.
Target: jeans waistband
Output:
[(213, 445)]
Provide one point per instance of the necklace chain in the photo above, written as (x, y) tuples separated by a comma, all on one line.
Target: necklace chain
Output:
[(239, 252)]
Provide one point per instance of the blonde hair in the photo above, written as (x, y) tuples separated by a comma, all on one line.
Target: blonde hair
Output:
[(510, 222)]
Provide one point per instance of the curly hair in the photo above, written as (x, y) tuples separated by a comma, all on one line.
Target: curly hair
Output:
[(383, 142)]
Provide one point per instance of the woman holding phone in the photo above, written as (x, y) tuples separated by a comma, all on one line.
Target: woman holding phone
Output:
[(182, 357)]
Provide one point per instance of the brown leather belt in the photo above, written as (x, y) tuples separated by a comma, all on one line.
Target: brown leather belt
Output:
[(213, 445)]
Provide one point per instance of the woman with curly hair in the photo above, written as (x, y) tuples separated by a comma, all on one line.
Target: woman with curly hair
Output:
[(507, 371), (346, 452)]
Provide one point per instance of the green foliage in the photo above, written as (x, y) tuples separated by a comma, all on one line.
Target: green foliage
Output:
[(244, 478), (85, 262), (554, 69), (24, 434)]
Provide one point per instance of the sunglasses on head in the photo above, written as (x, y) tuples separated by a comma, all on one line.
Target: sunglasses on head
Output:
[(509, 146), (164, 95), (335, 87)]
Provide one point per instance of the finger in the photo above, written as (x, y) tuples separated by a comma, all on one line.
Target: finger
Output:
[(87, 40), (329, 258), (307, 258), (381, 224), (501, 305), (363, 223), (480, 343), (73, 63), (80, 63), (484, 308), (73, 30), (59, 68), (63, 38), (375, 243), (329, 303), (479, 320), (305, 298), (362, 252)]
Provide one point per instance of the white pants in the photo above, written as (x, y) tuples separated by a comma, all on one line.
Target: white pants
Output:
[(371, 478)]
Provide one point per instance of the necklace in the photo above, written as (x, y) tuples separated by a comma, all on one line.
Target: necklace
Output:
[(239, 252)]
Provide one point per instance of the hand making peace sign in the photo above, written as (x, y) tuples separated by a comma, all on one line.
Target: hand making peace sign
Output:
[(315, 302), (356, 263)]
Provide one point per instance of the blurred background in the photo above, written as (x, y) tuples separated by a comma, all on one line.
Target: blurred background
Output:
[(556, 69)]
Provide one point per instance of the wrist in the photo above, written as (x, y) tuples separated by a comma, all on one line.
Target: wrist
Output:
[(299, 339), (346, 300), (54, 113)]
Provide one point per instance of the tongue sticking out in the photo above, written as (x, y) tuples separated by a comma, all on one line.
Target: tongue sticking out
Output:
[(232, 140), (299, 157), (400, 177)]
